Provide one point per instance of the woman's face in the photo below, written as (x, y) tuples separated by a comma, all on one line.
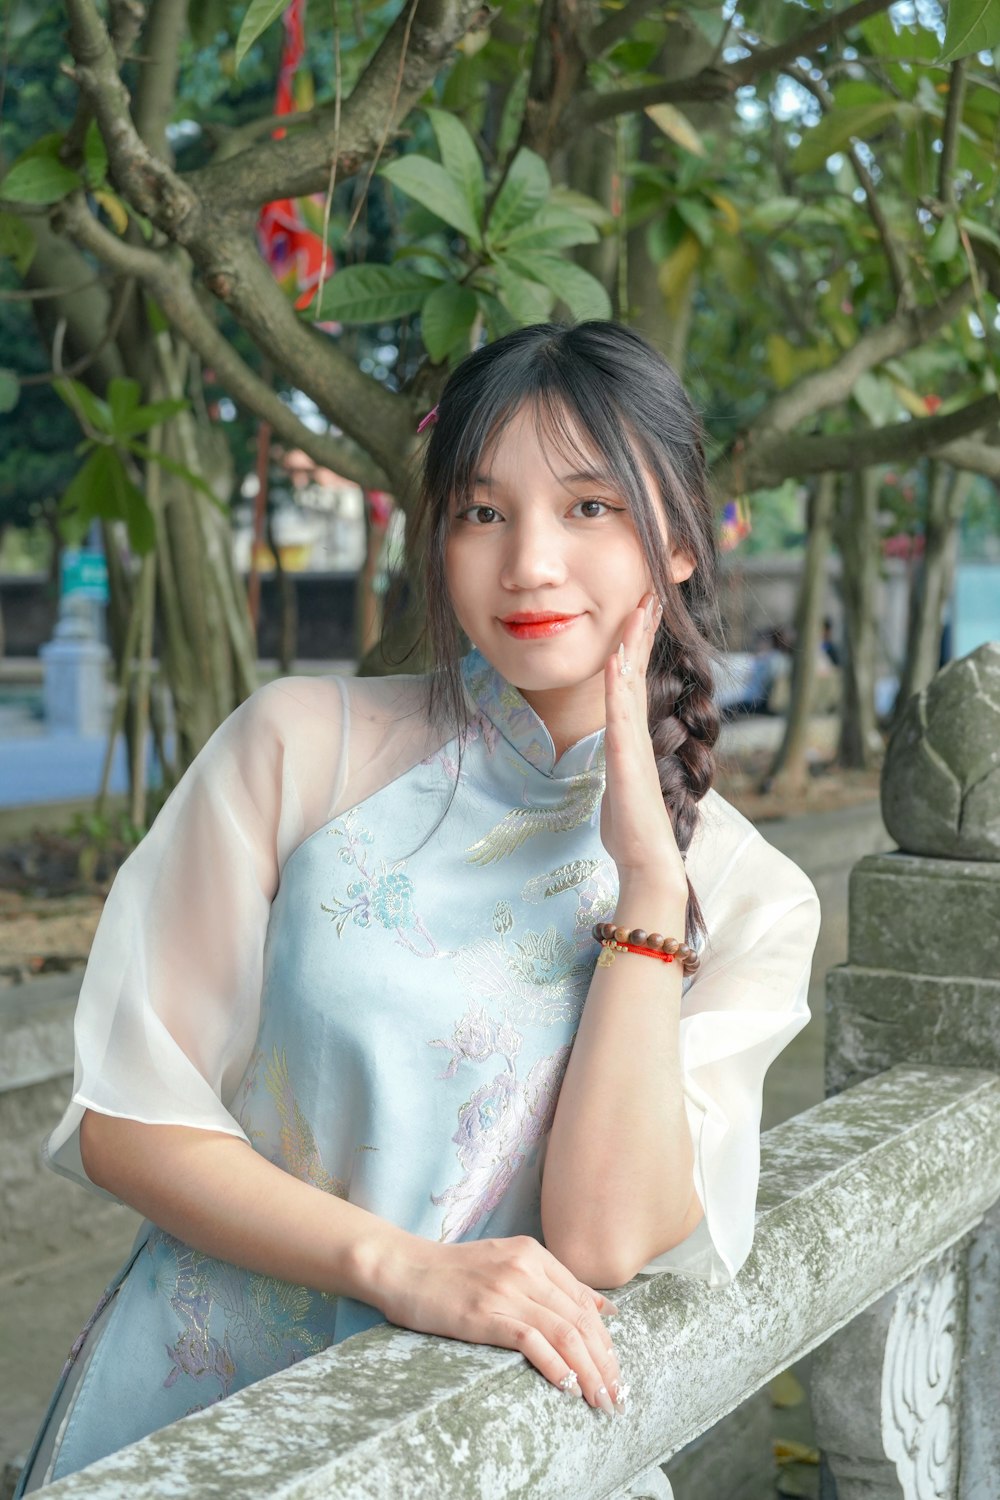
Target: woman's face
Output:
[(545, 565)]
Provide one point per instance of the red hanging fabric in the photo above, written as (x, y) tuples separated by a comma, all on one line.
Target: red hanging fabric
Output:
[(286, 228)]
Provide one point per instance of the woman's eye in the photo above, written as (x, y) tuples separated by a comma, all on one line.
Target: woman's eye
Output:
[(592, 508), (479, 515)]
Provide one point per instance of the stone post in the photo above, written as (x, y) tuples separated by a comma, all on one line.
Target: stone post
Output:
[(907, 1397), (75, 671)]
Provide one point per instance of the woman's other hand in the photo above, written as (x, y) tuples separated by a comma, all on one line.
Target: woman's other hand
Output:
[(512, 1293), (635, 826)]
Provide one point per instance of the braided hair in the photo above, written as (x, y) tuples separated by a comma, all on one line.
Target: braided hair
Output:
[(605, 380)]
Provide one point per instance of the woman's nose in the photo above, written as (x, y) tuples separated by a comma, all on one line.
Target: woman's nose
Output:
[(533, 557)]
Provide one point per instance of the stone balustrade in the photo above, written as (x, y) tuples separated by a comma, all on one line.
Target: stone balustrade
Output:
[(870, 1191), (877, 1242)]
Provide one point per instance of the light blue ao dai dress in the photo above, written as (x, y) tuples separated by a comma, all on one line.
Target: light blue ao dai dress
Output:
[(367, 954)]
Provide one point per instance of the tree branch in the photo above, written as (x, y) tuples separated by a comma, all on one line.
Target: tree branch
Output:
[(616, 26), (168, 282), (980, 457), (826, 388), (712, 84), (949, 134), (773, 59), (896, 261), (149, 183), (766, 464), (154, 96), (300, 164), (227, 256)]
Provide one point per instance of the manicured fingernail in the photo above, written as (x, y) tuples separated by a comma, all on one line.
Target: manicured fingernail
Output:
[(604, 1401), (570, 1385), (624, 665), (609, 1310), (619, 1391)]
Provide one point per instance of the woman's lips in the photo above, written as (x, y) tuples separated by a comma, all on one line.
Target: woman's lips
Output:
[(537, 627)]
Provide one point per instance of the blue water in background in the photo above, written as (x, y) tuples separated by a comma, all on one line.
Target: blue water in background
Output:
[(977, 606)]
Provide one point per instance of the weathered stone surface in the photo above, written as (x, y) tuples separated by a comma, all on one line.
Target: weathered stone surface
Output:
[(941, 775), (856, 1195), (925, 916), (885, 1390), (876, 1018), (979, 1403)]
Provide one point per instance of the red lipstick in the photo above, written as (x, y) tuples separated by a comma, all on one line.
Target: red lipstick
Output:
[(536, 626)]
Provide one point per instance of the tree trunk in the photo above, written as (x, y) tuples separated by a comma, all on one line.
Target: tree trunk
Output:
[(860, 742), (946, 493), (790, 771)]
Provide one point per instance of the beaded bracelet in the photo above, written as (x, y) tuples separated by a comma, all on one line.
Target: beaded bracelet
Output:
[(649, 944)]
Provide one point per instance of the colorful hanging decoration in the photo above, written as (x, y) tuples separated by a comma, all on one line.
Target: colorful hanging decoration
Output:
[(287, 227), (735, 524)]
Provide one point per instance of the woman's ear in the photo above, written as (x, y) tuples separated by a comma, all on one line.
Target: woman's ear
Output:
[(681, 566)]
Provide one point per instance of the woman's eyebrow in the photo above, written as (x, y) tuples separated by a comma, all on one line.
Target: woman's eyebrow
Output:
[(586, 476)]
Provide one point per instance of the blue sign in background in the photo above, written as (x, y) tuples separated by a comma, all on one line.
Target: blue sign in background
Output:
[(84, 573)]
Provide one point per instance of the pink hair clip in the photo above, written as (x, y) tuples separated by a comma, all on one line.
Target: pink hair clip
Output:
[(431, 416)]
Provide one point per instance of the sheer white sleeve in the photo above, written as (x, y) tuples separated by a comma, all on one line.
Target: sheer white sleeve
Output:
[(742, 1008), (169, 1004)]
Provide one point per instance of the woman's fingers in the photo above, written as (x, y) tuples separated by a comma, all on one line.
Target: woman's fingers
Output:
[(565, 1351)]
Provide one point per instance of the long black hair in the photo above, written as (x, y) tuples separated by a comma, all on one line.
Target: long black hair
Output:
[(606, 381)]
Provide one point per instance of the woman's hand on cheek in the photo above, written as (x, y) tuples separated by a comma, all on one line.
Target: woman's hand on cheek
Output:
[(635, 826)]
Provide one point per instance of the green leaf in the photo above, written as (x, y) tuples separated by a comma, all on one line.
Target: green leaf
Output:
[(511, 117), (123, 399), (102, 490), (527, 301), (143, 418), (552, 228), (38, 179), (698, 218), (373, 294), (587, 208), (446, 319), (95, 156), (460, 159), (10, 390), (772, 213), (582, 293), (88, 408), (837, 129), (17, 241), (945, 241), (525, 188), (675, 124), (154, 456), (428, 182), (884, 40), (877, 399), (972, 26), (260, 15), (498, 320)]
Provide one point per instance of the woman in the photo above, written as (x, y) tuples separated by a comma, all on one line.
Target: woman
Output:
[(343, 1037)]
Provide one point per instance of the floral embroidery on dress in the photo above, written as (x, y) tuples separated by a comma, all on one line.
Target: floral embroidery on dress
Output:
[(580, 805), (298, 1143), (499, 1128), (264, 1321), (384, 895), (538, 977)]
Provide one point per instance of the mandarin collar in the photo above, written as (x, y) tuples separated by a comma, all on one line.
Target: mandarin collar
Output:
[(515, 719)]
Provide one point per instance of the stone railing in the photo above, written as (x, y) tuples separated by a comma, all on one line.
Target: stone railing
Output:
[(877, 1245)]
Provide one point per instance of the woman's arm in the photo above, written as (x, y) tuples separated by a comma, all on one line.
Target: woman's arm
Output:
[(617, 1188), (220, 1196)]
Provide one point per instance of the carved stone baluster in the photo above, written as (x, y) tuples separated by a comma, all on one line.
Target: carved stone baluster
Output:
[(886, 1392)]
